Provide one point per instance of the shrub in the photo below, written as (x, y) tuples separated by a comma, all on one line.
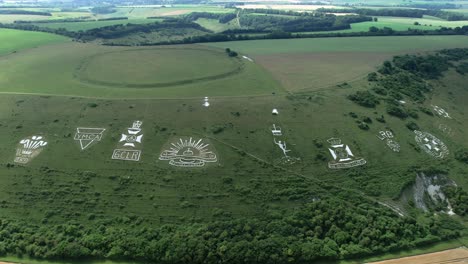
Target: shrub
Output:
[(396, 111), (412, 126), (364, 98), (372, 77), (380, 119), (363, 126), (462, 155)]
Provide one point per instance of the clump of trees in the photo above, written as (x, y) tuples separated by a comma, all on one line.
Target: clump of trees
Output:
[(221, 17), (458, 199), (407, 77), (299, 24), (364, 98), (231, 53), (462, 155)]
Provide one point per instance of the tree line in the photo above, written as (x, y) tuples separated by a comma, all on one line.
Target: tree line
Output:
[(121, 30), (221, 17), (23, 12), (326, 229), (299, 24)]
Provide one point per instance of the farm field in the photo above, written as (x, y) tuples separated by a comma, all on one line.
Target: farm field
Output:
[(402, 24), (172, 10), (458, 255), (86, 25), (66, 75), (215, 26), (15, 40), (287, 7), (294, 62)]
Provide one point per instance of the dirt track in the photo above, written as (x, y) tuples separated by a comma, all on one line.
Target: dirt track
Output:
[(458, 255)]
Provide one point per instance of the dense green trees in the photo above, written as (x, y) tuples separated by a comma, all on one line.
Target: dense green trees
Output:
[(221, 17), (23, 12), (458, 199), (364, 98), (324, 229), (299, 24), (406, 78), (462, 155)]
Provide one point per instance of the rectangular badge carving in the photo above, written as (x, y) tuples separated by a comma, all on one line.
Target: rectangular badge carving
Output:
[(125, 154)]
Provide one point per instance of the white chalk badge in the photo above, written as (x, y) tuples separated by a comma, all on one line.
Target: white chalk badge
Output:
[(130, 143)]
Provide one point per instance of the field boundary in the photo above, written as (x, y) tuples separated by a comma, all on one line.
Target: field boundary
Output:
[(80, 75)]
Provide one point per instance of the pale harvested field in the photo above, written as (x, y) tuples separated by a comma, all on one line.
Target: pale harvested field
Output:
[(314, 71), (176, 13), (287, 7), (458, 255)]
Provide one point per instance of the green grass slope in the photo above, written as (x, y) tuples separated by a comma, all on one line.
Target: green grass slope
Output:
[(369, 44), (15, 40)]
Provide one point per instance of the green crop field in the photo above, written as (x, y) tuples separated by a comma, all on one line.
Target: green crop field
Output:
[(369, 44), (15, 40)]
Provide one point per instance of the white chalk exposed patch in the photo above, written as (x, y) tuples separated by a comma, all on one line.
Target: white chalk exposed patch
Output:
[(189, 153), (247, 58), (29, 148), (388, 137), (206, 102), (129, 141), (441, 112), (276, 131), (126, 154), (446, 129), (431, 145), (342, 155), (87, 136)]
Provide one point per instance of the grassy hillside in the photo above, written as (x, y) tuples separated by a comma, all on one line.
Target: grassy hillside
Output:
[(250, 201), (248, 181), (15, 40), (315, 64), (65, 70)]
